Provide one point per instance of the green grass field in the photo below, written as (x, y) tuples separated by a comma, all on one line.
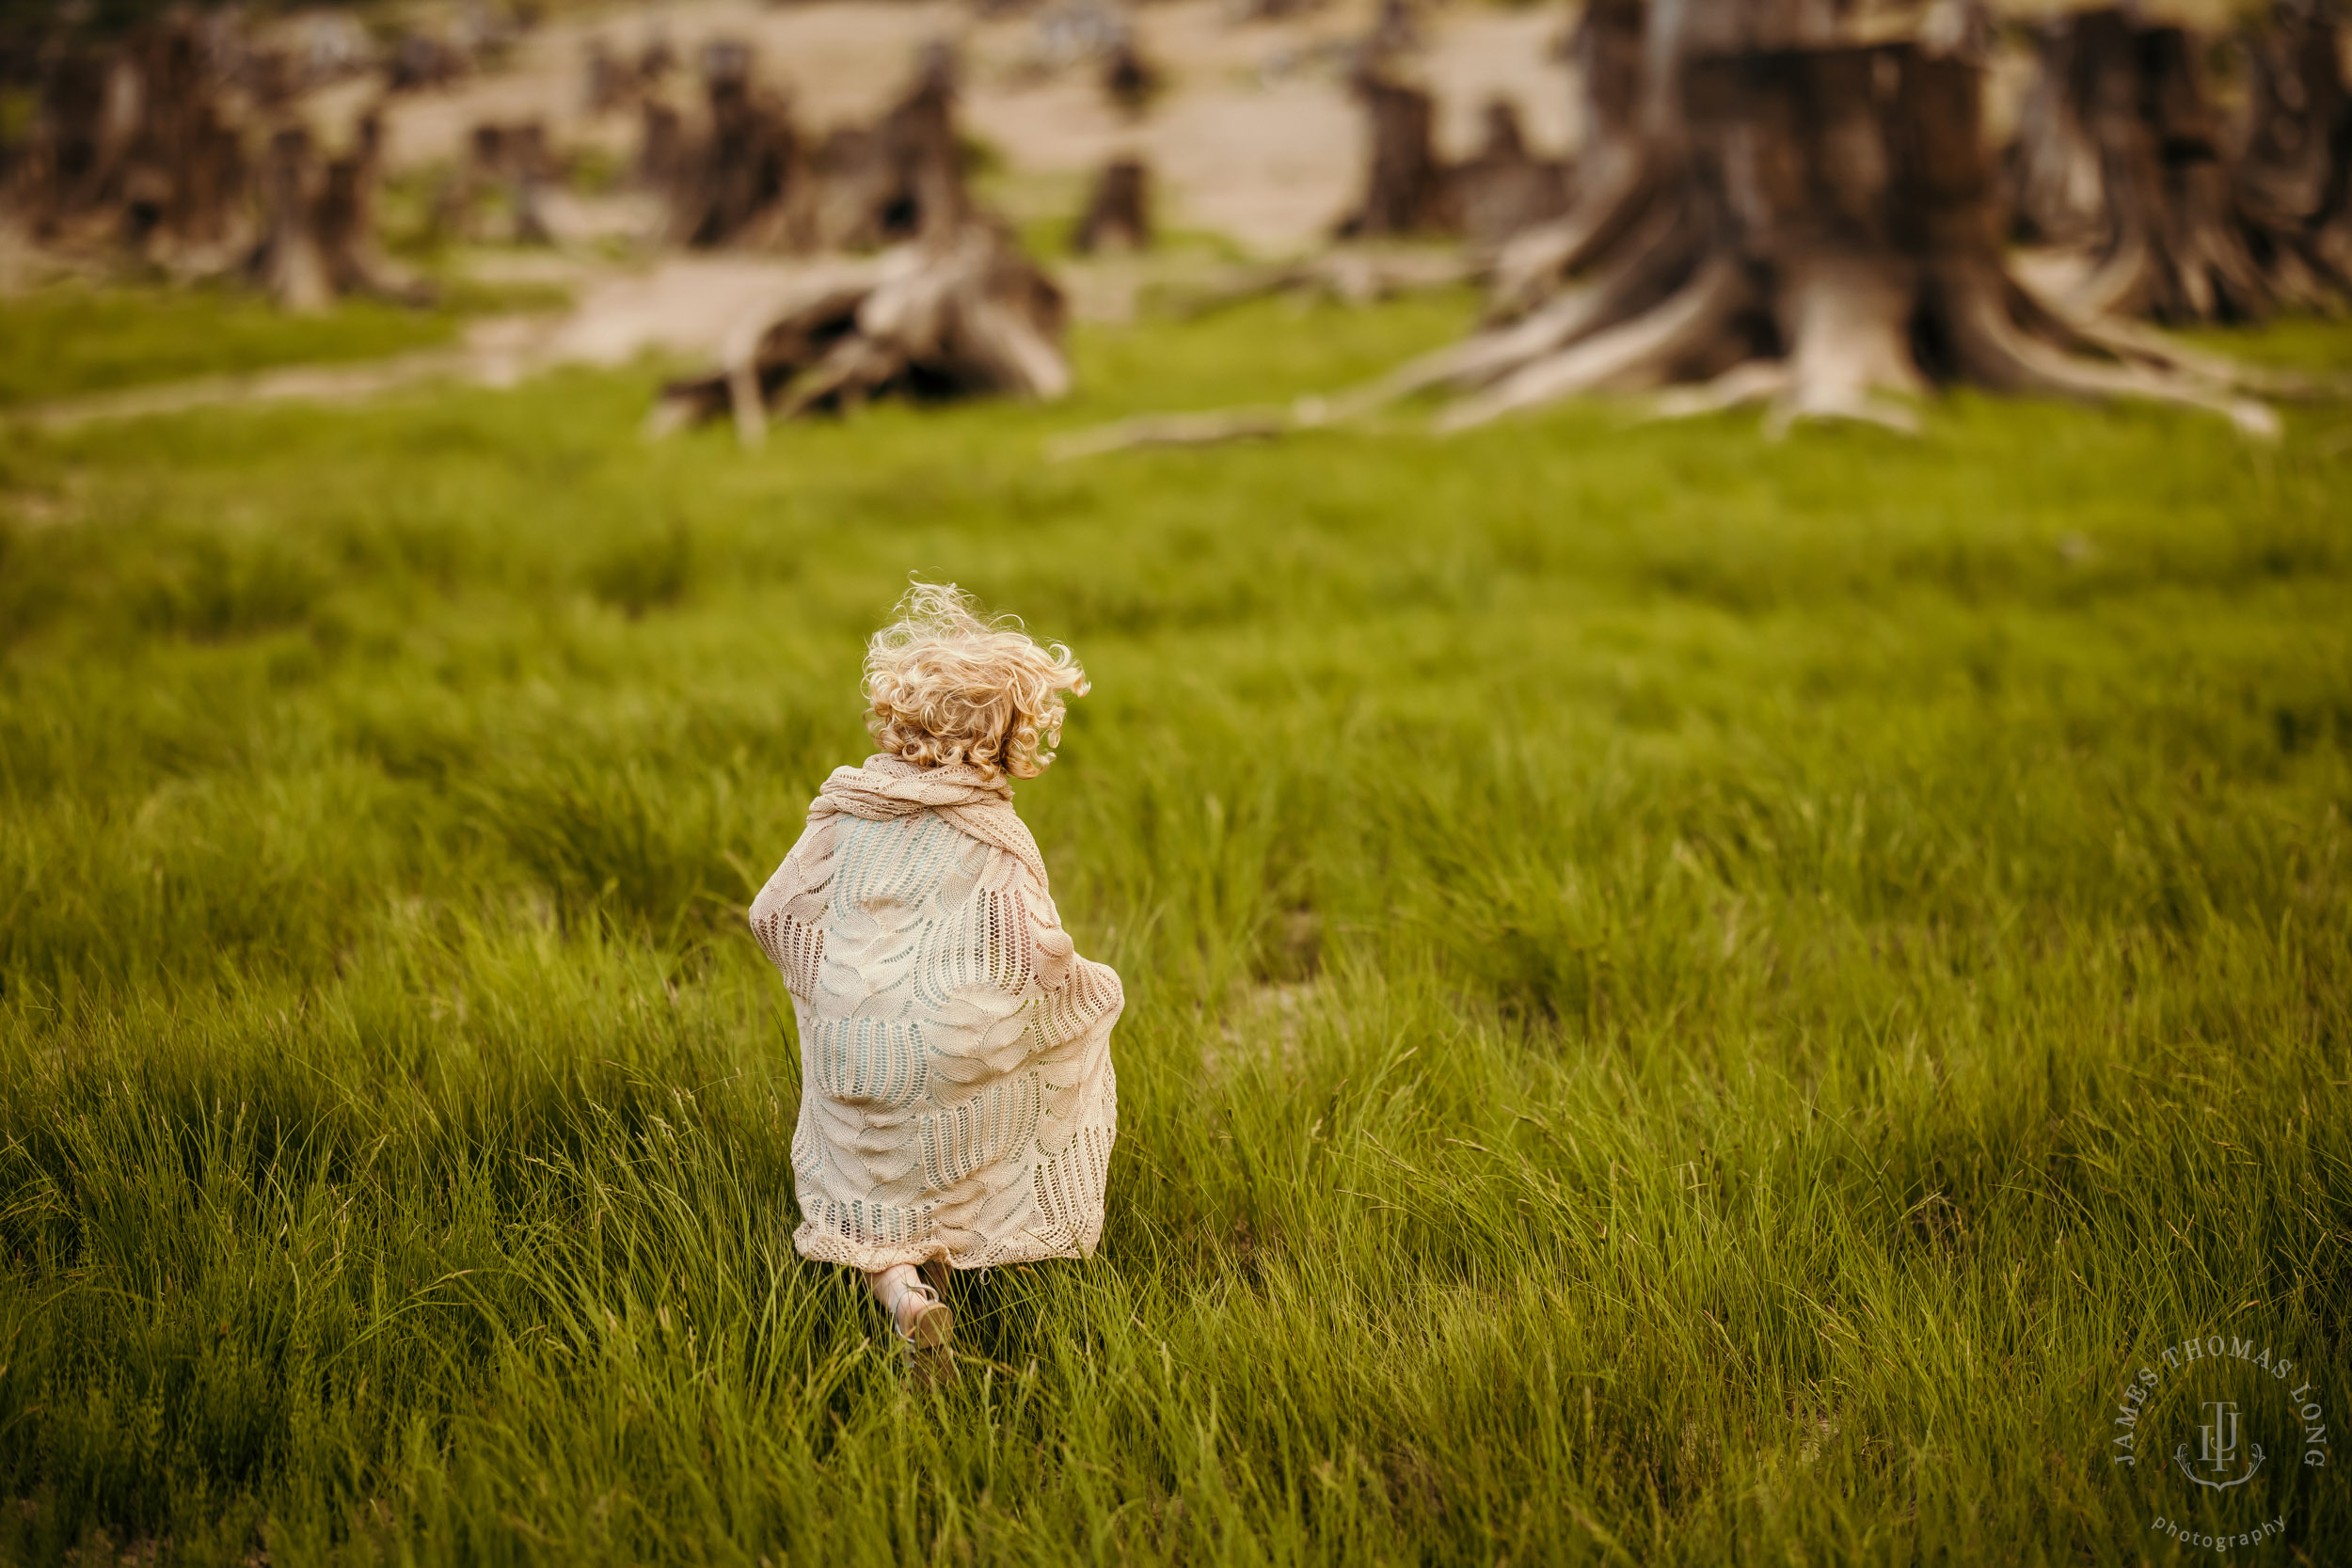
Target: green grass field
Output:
[(1691, 1000)]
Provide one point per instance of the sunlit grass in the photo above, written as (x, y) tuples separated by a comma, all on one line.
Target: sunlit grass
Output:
[(1691, 999)]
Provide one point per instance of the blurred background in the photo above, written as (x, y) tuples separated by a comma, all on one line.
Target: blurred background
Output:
[(711, 185)]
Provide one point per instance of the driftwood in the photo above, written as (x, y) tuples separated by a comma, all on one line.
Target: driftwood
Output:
[(1769, 214), (1118, 211), (960, 314)]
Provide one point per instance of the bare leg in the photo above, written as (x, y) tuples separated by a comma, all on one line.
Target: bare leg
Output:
[(921, 1320), (890, 1288)]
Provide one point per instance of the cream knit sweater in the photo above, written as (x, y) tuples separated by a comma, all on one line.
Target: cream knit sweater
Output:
[(957, 1096)]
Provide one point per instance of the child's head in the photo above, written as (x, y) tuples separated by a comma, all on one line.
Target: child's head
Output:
[(944, 686)]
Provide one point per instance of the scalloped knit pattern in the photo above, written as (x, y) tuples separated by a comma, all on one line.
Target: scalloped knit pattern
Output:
[(957, 1096)]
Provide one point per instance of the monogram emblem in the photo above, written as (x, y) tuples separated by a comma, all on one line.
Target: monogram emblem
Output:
[(2217, 1449)]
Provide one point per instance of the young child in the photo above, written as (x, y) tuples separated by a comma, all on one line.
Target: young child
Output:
[(957, 1099)]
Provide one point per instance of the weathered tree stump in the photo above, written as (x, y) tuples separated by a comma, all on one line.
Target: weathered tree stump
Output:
[(345, 220), (753, 181), (512, 164), (290, 263), (1405, 184), (1118, 214), (960, 314), (1770, 215), (746, 181), (138, 147), (2293, 170), (2118, 152), (318, 236), (134, 147)]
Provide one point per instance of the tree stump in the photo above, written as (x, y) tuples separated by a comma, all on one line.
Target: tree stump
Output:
[(746, 181), (2118, 152), (1769, 214), (134, 147), (1128, 80), (899, 179), (1118, 214), (753, 181), (1405, 185), (290, 262), (2294, 171)]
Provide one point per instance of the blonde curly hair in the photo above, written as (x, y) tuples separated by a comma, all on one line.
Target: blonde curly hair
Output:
[(943, 685)]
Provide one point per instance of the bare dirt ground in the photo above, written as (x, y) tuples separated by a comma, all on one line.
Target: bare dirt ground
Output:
[(1253, 137)]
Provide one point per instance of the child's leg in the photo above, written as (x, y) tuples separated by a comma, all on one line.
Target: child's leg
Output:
[(890, 1288)]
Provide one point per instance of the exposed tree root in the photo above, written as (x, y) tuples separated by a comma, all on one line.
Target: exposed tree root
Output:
[(1815, 229)]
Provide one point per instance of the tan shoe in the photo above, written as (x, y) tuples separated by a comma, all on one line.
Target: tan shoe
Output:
[(925, 1327)]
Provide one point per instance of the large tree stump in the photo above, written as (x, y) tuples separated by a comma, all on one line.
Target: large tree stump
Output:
[(1770, 215), (2118, 152), (960, 314), (1118, 214), (2294, 171), (139, 147), (1816, 225), (134, 147), (344, 222), (1130, 81)]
